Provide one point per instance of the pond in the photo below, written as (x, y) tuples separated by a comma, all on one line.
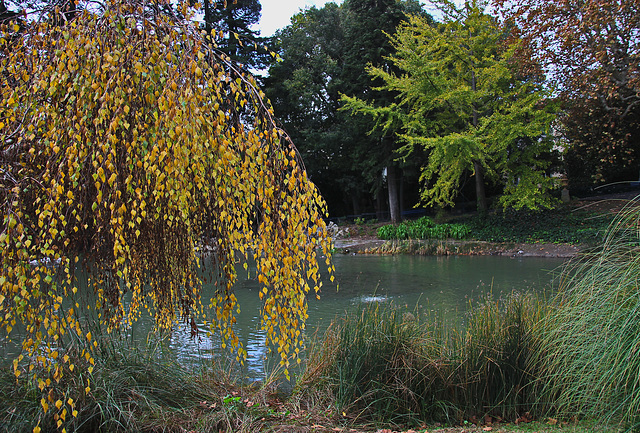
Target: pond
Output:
[(445, 284)]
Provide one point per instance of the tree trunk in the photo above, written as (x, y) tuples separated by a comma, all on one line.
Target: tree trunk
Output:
[(355, 204), (393, 175), (207, 17), (481, 198), (380, 205)]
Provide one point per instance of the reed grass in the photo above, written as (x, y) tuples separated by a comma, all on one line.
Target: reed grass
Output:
[(498, 349), (387, 365), (592, 347)]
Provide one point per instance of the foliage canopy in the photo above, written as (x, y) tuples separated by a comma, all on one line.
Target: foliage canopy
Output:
[(324, 53), (460, 100), (590, 52), (130, 147)]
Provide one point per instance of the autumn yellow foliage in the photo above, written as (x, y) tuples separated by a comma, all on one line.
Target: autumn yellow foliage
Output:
[(131, 147)]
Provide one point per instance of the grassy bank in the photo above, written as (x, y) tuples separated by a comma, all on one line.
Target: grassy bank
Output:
[(137, 390), (514, 359), (378, 367)]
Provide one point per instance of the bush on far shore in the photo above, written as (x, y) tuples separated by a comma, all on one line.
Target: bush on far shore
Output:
[(423, 228), (560, 225)]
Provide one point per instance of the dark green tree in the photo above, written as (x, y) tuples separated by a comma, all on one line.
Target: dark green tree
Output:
[(324, 54), (304, 90), (369, 23), (232, 20)]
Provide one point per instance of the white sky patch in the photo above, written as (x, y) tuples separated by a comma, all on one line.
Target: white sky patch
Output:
[(276, 14)]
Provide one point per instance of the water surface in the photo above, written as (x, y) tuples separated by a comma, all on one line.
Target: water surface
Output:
[(445, 284)]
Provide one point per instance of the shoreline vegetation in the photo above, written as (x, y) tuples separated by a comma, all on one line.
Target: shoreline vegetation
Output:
[(378, 369), (562, 232), (452, 247), (518, 363)]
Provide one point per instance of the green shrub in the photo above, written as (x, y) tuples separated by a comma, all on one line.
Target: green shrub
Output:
[(423, 228), (459, 231), (387, 232)]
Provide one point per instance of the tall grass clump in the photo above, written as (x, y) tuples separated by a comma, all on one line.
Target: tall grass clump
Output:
[(397, 367), (129, 393), (382, 360), (132, 389), (498, 355), (592, 346)]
